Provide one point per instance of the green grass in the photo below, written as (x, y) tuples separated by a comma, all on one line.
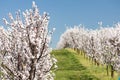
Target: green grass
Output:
[(73, 66)]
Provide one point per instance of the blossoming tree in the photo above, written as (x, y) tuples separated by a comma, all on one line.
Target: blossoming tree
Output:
[(102, 45), (25, 52)]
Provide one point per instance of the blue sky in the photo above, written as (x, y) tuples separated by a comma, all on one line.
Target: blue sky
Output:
[(68, 12)]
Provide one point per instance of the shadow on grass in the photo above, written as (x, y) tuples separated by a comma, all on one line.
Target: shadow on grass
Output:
[(88, 77), (82, 77)]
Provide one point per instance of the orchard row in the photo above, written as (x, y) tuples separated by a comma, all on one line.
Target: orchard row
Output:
[(102, 45)]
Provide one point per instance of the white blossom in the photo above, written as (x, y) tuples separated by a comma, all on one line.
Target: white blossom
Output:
[(25, 52)]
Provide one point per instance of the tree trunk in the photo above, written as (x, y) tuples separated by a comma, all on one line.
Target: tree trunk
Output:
[(84, 55), (89, 58), (78, 51), (81, 52), (96, 62), (112, 71), (107, 67), (32, 71)]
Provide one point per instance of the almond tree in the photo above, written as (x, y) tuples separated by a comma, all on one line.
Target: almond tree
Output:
[(25, 52), (102, 45)]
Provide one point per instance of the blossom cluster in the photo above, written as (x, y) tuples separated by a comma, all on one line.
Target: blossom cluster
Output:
[(24, 47)]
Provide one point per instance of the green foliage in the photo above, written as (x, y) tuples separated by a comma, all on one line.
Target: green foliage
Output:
[(73, 66)]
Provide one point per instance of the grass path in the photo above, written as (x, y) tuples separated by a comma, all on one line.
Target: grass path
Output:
[(72, 66)]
